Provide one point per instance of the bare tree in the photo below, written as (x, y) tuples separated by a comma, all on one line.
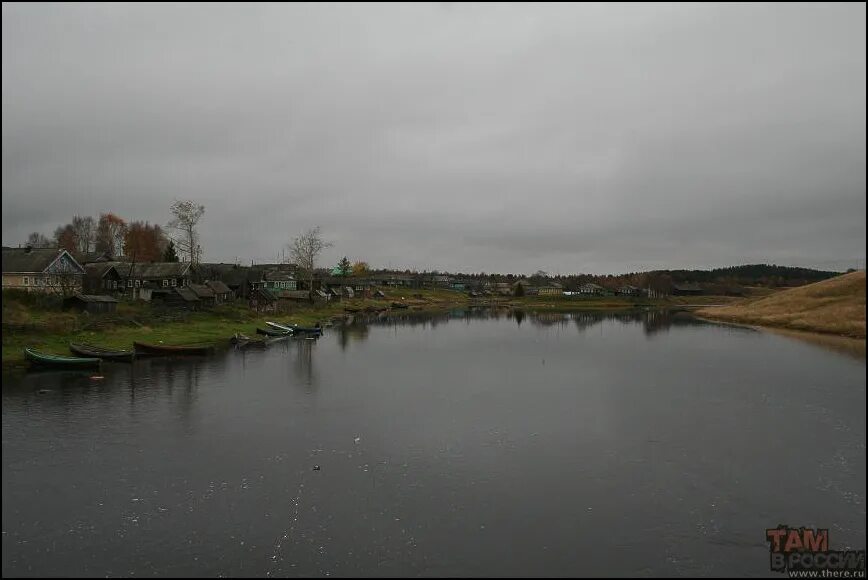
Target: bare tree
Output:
[(85, 232), (37, 240), (187, 214), (304, 251)]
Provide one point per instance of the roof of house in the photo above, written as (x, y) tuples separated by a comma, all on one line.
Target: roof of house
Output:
[(218, 287), (151, 269), (91, 257), (27, 260), (201, 290), (276, 275), (592, 285), (187, 294), (98, 269), (92, 298)]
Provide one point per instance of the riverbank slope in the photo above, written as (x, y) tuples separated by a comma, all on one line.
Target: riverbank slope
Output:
[(834, 306)]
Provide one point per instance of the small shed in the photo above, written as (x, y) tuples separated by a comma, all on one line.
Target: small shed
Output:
[(206, 295), (222, 292), (95, 304)]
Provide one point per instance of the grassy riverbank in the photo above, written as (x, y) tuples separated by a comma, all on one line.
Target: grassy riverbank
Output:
[(835, 306), (31, 322)]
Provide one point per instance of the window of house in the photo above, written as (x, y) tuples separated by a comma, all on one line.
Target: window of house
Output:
[(165, 283), (129, 283), (138, 283), (26, 281), (174, 282)]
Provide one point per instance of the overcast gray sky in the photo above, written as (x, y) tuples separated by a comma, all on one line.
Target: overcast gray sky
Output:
[(568, 138)]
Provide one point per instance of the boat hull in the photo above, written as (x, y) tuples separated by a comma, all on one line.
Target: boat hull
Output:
[(57, 361), (91, 351), (272, 332), (168, 350)]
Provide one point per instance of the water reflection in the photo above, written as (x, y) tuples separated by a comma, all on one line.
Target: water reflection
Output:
[(504, 428), (357, 327)]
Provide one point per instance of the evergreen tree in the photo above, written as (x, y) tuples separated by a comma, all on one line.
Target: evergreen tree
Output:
[(170, 255)]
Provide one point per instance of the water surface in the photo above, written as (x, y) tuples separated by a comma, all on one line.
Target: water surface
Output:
[(469, 443)]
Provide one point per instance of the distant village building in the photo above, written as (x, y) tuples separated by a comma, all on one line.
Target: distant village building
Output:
[(627, 290), (204, 293), (552, 289), (41, 270), (222, 292), (591, 289), (280, 280)]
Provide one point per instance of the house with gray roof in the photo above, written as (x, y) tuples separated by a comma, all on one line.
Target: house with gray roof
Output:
[(41, 270)]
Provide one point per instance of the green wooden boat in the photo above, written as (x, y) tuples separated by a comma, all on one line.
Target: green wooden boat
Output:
[(54, 360)]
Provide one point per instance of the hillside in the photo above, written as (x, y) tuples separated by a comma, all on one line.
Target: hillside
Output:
[(834, 306)]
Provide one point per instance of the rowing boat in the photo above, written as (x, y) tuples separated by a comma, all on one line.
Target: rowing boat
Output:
[(278, 326), (54, 360), (92, 351), (306, 329), (273, 332), (165, 349)]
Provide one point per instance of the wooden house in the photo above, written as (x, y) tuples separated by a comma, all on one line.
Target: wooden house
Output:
[(41, 270)]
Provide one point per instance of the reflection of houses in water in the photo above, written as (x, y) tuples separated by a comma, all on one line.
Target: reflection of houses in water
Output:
[(652, 321), (303, 361)]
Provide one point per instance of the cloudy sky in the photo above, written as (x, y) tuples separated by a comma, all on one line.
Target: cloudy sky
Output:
[(585, 138)]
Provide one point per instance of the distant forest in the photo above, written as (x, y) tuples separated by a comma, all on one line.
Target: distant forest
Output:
[(731, 280)]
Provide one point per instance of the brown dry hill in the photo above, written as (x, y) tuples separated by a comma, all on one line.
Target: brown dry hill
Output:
[(833, 306)]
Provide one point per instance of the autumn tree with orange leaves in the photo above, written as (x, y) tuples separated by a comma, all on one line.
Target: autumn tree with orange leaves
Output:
[(144, 241)]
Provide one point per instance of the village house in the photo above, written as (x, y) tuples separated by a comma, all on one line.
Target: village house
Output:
[(591, 289), (41, 270), (627, 290), (177, 297), (102, 278), (222, 292), (395, 280), (436, 281), (152, 275), (551, 289), (279, 280), (205, 294), (240, 279), (526, 288)]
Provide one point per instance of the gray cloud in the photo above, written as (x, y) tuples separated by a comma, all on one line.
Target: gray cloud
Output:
[(572, 138)]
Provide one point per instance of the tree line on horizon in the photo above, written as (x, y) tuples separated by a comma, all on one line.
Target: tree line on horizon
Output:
[(145, 242)]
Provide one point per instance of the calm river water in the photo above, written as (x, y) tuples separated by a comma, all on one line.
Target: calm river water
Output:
[(468, 443)]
